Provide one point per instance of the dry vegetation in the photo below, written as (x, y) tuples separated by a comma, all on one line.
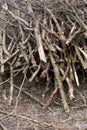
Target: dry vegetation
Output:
[(44, 40)]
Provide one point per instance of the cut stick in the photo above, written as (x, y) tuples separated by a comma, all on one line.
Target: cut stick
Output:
[(59, 83), (34, 74), (1, 61), (83, 52), (78, 19), (44, 23), (4, 44), (1, 53), (71, 88), (31, 56), (59, 28), (11, 85), (67, 70), (39, 43), (5, 61), (2, 126), (51, 96), (5, 7), (84, 65), (23, 52), (38, 37), (75, 74), (69, 40)]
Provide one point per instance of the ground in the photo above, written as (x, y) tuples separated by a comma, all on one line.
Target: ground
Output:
[(31, 116)]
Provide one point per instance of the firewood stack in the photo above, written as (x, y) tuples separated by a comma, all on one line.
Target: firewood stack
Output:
[(45, 39)]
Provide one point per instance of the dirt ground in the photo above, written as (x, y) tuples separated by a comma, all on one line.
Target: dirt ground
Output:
[(28, 114)]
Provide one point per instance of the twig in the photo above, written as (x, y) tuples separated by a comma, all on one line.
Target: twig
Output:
[(1, 61), (39, 44), (56, 127), (69, 119), (59, 83), (51, 96), (67, 70), (4, 44), (23, 52), (34, 74), (30, 95), (31, 56), (82, 96), (60, 31), (79, 20), (5, 61), (71, 88), (1, 54), (2, 126), (68, 41), (20, 90), (38, 37), (11, 85), (83, 52), (75, 74), (84, 65), (49, 31), (5, 7)]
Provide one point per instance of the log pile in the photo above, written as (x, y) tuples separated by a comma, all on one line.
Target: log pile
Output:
[(45, 39)]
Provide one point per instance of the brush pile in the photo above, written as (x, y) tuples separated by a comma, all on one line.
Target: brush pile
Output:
[(47, 40)]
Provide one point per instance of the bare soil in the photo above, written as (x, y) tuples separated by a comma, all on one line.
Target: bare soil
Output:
[(76, 119)]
